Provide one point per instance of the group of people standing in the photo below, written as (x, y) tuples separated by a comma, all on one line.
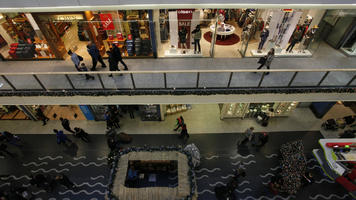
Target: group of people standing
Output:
[(114, 54)]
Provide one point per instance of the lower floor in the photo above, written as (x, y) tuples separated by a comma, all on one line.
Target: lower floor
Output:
[(86, 166), (199, 118)]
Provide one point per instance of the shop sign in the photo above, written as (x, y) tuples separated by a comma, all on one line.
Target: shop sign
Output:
[(67, 17), (287, 10), (107, 22)]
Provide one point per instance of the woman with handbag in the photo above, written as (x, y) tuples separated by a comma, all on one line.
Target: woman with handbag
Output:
[(266, 60)]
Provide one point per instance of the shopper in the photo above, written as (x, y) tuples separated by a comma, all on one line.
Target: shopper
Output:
[(108, 120), (41, 116), (83, 68), (113, 143), (268, 60), (66, 125), (80, 133), (131, 110), (95, 56), (75, 59), (10, 138), (112, 62), (247, 136), (184, 133), (180, 122), (61, 137), (65, 181), (197, 36), (117, 55)]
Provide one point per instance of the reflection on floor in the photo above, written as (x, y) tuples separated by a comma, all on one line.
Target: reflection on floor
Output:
[(14, 115), (68, 112), (85, 165)]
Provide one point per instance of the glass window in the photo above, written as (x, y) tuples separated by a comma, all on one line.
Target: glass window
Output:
[(185, 32)]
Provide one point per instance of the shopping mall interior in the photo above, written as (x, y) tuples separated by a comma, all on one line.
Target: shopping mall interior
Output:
[(192, 118), (214, 129)]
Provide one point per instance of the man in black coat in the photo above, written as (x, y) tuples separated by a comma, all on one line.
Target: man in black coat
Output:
[(65, 124), (117, 55)]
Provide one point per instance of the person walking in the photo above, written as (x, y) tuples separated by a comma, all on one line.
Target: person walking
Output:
[(267, 60), (108, 120), (247, 136), (61, 137), (184, 133), (197, 37), (95, 56), (66, 125), (180, 122), (80, 133), (84, 68), (131, 111), (117, 55), (75, 59), (41, 116), (113, 64), (10, 138)]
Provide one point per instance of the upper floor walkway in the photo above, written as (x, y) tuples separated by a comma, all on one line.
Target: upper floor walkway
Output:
[(327, 73)]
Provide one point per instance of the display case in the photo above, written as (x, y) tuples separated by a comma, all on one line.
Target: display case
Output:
[(150, 112), (233, 110)]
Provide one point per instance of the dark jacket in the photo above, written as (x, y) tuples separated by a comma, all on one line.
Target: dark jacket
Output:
[(116, 52), (112, 62), (65, 123), (93, 51)]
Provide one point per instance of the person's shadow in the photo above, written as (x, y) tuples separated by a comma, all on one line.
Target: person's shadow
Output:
[(71, 149)]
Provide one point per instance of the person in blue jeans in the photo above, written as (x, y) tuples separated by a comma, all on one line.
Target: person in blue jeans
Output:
[(61, 137)]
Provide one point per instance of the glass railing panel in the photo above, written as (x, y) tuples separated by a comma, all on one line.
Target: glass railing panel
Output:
[(214, 79), (277, 79), (149, 80), (181, 80), (307, 78), (54, 82), (24, 82), (338, 78), (117, 81), (81, 82), (4, 85), (245, 79)]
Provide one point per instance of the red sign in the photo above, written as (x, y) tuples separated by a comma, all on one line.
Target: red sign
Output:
[(107, 22), (184, 20)]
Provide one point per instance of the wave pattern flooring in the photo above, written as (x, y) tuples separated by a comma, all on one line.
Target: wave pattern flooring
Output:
[(85, 165)]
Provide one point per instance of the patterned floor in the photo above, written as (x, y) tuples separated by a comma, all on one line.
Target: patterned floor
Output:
[(85, 165)]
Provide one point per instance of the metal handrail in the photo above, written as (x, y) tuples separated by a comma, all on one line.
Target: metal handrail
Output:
[(99, 74), (179, 71)]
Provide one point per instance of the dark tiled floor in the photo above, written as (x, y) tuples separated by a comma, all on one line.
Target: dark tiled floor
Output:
[(86, 166)]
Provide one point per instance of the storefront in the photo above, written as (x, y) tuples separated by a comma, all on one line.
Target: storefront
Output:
[(13, 113), (255, 110), (21, 38), (239, 32), (226, 33), (129, 30)]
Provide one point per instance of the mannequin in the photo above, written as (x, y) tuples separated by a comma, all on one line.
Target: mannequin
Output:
[(296, 37), (264, 35), (183, 37), (197, 36), (309, 36)]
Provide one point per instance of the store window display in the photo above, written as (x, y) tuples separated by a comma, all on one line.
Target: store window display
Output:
[(289, 32), (184, 32), (129, 30), (21, 38)]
